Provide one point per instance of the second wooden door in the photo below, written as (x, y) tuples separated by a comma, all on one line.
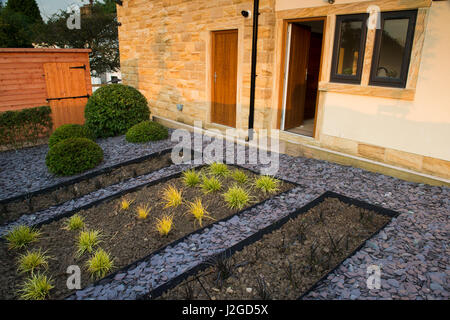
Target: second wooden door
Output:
[(297, 74), (224, 77)]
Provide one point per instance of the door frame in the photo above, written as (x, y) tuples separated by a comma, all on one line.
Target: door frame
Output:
[(210, 79), (284, 67)]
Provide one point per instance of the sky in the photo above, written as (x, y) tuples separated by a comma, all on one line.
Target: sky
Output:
[(49, 7)]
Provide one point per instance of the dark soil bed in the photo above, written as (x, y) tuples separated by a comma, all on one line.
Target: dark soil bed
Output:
[(11, 211), (124, 236), (286, 263)]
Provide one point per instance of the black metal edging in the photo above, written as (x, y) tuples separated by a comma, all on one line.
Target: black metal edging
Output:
[(276, 225), (173, 243), (86, 176)]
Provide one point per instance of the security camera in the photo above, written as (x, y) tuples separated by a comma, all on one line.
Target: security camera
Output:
[(330, 1), (246, 13)]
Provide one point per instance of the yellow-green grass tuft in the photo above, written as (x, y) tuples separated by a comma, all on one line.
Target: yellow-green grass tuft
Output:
[(20, 236), (191, 178), (239, 176), (172, 197), (198, 211), (164, 225), (87, 241), (75, 222), (218, 169), (125, 203), (236, 197), (143, 211), (32, 260), (37, 287), (100, 264), (267, 184), (211, 184)]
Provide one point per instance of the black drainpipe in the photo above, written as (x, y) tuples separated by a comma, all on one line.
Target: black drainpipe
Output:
[(251, 115)]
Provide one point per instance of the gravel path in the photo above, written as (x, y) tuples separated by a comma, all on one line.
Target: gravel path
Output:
[(24, 170), (412, 251)]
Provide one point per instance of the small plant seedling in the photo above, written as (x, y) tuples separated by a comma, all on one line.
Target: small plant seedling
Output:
[(87, 240), (172, 197), (267, 184), (236, 197), (143, 211), (32, 260), (125, 204), (37, 287), (188, 290), (164, 225), (210, 184), (262, 288), (100, 264), (198, 211), (224, 268), (218, 169), (335, 243), (75, 222), (191, 178), (20, 236), (239, 176)]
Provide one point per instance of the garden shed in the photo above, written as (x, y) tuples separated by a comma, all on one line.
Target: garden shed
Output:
[(59, 78)]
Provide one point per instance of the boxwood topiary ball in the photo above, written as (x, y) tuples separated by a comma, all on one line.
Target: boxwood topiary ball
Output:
[(73, 155), (69, 131), (146, 131), (115, 108)]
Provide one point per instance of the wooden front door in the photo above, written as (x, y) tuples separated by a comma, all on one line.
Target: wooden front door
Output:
[(296, 84), (66, 92), (224, 77)]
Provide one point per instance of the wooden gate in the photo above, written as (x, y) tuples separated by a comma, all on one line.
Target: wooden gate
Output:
[(67, 94)]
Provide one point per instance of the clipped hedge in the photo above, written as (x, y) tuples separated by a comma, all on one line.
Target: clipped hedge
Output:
[(67, 131), (73, 155), (115, 108), (146, 131), (26, 125)]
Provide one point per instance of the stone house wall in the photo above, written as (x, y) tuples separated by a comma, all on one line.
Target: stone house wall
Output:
[(165, 52)]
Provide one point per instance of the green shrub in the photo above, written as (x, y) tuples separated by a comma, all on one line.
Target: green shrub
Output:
[(73, 155), (146, 131), (27, 125), (69, 131), (115, 108)]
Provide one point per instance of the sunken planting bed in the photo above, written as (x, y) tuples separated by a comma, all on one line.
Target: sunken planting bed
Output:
[(12, 208), (131, 226), (286, 260)]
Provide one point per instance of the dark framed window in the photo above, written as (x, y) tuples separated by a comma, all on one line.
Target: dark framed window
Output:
[(392, 50), (348, 49)]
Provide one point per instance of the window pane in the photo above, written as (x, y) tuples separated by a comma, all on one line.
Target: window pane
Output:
[(392, 48), (349, 47)]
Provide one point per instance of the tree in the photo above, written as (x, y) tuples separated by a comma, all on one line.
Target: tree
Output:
[(18, 20), (98, 32), (29, 8)]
